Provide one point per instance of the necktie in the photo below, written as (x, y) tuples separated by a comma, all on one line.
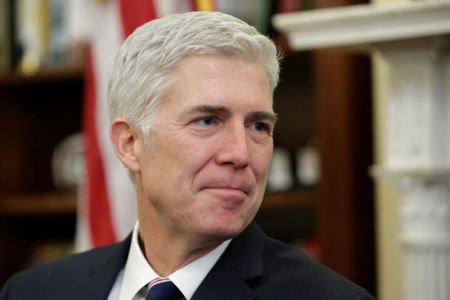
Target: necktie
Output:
[(163, 289)]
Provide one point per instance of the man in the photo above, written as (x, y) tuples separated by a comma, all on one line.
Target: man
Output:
[(190, 98)]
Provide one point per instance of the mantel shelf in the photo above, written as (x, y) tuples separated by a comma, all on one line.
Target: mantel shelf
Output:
[(361, 25)]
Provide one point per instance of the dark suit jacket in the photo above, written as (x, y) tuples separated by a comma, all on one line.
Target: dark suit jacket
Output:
[(253, 267)]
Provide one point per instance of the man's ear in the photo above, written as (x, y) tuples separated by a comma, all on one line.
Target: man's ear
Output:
[(127, 142)]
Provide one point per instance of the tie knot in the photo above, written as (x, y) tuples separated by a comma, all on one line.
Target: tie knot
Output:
[(163, 289)]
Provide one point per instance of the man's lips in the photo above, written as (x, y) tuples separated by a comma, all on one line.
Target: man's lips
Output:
[(229, 188), (229, 198), (226, 183)]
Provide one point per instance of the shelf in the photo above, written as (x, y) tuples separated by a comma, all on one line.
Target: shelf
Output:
[(44, 76), (290, 200), (38, 204), (56, 203)]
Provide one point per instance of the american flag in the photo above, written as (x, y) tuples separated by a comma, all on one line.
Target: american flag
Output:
[(107, 204)]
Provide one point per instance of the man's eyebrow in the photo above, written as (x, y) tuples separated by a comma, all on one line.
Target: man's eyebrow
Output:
[(212, 109), (220, 110), (205, 109), (264, 115)]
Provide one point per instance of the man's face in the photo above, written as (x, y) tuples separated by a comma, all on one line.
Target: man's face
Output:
[(203, 174)]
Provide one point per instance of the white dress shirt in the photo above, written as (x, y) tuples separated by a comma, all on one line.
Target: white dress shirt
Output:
[(137, 272)]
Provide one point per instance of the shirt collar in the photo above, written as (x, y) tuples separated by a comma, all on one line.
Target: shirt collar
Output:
[(138, 272)]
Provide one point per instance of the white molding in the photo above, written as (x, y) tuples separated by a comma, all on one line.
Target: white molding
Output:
[(413, 38), (364, 24), (410, 174)]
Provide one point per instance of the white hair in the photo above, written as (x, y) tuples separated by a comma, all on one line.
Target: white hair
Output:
[(142, 69)]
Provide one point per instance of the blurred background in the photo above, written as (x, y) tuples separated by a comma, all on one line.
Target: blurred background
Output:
[(321, 197)]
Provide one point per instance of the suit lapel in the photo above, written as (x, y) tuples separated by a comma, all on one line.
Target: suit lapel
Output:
[(100, 276), (242, 262), (230, 278)]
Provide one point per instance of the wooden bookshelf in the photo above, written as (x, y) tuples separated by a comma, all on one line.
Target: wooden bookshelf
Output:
[(14, 79), (306, 199), (45, 204), (66, 203), (36, 114)]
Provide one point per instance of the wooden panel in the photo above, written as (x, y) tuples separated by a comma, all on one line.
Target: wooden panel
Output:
[(346, 209), (46, 204), (296, 199), (36, 114)]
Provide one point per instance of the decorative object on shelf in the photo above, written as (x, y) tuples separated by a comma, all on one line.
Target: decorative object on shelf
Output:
[(285, 6), (10, 49), (308, 166), (256, 12), (58, 37), (32, 34), (40, 34), (68, 163), (4, 35), (280, 174)]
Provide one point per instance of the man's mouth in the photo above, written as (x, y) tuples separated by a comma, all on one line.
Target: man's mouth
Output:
[(230, 188)]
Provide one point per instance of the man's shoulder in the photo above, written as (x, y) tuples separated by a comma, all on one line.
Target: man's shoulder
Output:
[(70, 265), (296, 273), (274, 270), (61, 276)]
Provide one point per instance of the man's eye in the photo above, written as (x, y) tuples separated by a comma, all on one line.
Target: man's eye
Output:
[(206, 121), (262, 127)]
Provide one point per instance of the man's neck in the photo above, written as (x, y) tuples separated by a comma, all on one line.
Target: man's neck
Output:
[(166, 255)]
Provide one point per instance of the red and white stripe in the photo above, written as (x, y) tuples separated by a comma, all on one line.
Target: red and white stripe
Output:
[(156, 282), (107, 205)]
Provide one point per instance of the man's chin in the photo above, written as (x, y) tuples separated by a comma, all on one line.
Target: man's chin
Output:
[(218, 234)]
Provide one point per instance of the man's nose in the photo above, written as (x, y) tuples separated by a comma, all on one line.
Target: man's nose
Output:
[(234, 147)]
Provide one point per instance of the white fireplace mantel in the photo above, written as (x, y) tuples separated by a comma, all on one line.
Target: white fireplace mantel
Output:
[(364, 24), (414, 40)]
